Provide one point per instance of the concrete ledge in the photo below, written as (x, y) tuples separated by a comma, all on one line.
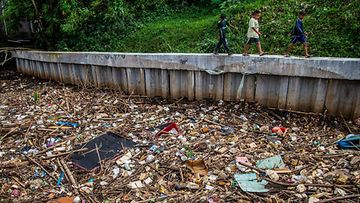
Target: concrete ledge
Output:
[(300, 84), (317, 67)]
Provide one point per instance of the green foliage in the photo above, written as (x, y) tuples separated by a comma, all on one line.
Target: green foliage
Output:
[(15, 11), (331, 25), (186, 25), (94, 26), (189, 153), (180, 33), (36, 97)]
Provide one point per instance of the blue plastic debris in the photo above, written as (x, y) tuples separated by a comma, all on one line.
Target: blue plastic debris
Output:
[(68, 124), (37, 174), (351, 141), (271, 163), (249, 183), (61, 177), (156, 149), (227, 130)]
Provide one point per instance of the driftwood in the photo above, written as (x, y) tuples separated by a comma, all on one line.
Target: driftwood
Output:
[(6, 58), (70, 176), (97, 111), (339, 198)]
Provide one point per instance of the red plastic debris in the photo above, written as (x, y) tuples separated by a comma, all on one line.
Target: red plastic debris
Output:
[(170, 127), (278, 130)]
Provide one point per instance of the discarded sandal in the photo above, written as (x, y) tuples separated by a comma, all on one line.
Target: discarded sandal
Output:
[(351, 141)]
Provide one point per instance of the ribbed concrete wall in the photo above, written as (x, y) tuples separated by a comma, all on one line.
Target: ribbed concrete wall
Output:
[(288, 83)]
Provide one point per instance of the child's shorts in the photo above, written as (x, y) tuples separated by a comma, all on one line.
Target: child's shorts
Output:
[(300, 39), (252, 40)]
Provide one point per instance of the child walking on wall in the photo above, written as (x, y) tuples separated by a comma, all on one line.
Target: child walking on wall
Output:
[(222, 25), (298, 35), (254, 34)]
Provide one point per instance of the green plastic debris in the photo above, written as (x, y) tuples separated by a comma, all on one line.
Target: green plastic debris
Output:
[(249, 183), (271, 163), (36, 97)]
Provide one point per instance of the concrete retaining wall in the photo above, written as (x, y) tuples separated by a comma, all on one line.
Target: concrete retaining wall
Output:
[(287, 83)]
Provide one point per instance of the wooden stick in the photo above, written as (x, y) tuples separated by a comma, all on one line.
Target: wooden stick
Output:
[(28, 130), (213, 122), (67, 104), (156, 199), (11, 131), (6, 57), (15, 128), (53, 100), (13, 165), (347, 126), (98, 154), (292, 111), (62, 169), (252, 167), (56, 129), (274, 114), (328, 185), (333, 156), (70, 175), (64, 153), (18, 182), (307, 184), (45, 129), (339, 198), (179, 100), (181, 175), (32, 160)]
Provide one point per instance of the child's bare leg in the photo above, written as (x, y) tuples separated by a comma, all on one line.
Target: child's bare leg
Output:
[(290, 47), (246, 49), (306, 49), (258, 45)]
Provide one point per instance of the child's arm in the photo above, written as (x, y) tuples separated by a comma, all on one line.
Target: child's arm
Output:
[(259, 33), (292, 31)]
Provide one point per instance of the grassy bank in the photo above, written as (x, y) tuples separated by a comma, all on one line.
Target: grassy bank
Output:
[(332, 28)]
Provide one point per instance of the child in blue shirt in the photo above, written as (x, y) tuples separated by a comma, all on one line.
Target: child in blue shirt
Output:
[(299, 35)]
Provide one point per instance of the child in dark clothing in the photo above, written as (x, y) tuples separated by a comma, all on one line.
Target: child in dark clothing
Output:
[(298, 35), (222, 25)]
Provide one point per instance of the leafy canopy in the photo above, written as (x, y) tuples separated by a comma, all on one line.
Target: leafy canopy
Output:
[(185, 25)]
